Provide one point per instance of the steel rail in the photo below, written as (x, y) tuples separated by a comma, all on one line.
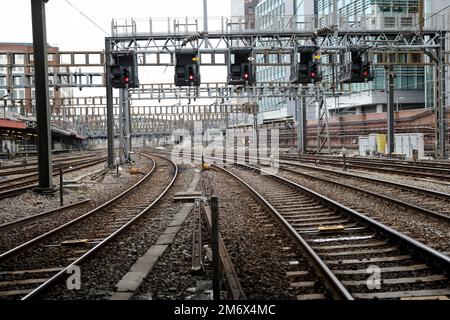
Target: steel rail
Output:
[(89, 253), (20, 248), (20, 222), (334, 283), (425, 211), (409, 171), (407, 205), (426, 252), (422, 248), (29, 184)]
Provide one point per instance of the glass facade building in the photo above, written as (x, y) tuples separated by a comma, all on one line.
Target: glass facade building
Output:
[(410, 80)]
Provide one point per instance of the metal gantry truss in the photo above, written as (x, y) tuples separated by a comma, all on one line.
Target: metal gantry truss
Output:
[(397, 42)]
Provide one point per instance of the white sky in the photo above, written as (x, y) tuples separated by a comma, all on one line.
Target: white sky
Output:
[(68, 29)]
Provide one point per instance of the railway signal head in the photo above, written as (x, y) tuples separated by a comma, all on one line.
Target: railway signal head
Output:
[(355, 67), (124, 70), (367, 71), (187, 68), (241, 68), (306, 67), (314, 72), (126, 77)]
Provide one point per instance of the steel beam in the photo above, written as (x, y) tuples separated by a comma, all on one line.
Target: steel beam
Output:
[(390, 111), (109, 105), (439, 104), (300, 107), (44, 139)]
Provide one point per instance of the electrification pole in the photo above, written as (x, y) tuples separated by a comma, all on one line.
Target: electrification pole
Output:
[(44, 138), (109, 105), (390, 111)]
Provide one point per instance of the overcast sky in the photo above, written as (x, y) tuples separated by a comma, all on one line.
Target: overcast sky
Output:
[(68, 29)]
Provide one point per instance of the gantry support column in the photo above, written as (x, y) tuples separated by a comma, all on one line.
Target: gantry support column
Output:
[(109, 104), (390, 110), (300, 107), (44, 139), (439, 103)]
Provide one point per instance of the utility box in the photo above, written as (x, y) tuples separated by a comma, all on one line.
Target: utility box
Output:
[(366, 146), (405, 143)]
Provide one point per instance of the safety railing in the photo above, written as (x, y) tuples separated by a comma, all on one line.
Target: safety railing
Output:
[(275, 23)]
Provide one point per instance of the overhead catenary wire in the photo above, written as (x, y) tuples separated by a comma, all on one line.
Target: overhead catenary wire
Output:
[(434, 14), (293, 15), (84, 15)]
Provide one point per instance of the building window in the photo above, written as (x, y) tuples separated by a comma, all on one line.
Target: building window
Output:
[(19, 59), (19, 94), (18, 70), (18, 81)]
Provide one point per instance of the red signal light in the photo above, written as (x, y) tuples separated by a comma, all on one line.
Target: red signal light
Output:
[(191, 77), (126, 80), (365, 73), (313, 74), (246, 76)]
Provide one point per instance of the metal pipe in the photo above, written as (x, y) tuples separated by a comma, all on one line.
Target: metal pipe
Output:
[(44, 138), (390, 111), (421, 16), (61, 186), (205, 21), (215, 246)]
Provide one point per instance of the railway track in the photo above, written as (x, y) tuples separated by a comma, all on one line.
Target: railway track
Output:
[(31, 268), (429, 202), (17, 185), (349, 250), (441, 172), (20, 169)]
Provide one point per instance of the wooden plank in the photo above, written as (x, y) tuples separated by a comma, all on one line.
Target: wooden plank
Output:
[(347, 228), (356, 252), (233, 282), (21, 282), (402, 294), (326, 213), (311, 219), (19, 272), (75, 242), (371, 260), (197, 246), (426, 298), (296, 273), (302, 284), (400, 280), (347, 246), (391, 269), (313, 296)]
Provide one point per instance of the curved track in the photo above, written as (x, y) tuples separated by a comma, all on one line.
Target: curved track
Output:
[(432, 203), (438, 172), (17, 185), (347, 247), (32, 267)]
